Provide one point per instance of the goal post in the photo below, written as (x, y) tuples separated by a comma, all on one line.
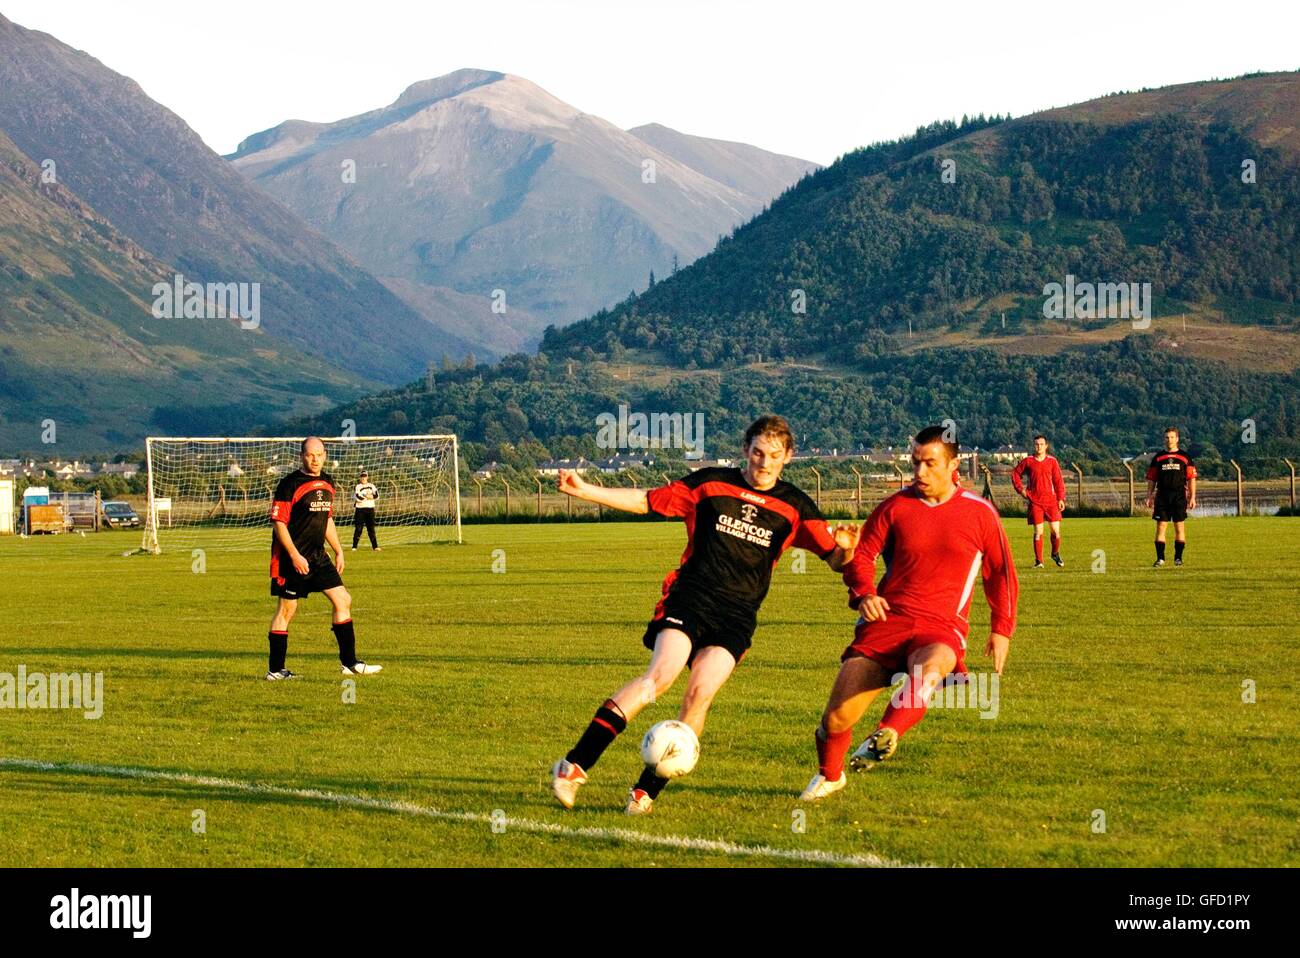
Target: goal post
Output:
[(217, 491)]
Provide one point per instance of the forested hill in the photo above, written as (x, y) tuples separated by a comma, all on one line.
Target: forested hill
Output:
[(1182, 190), (1095, 403)]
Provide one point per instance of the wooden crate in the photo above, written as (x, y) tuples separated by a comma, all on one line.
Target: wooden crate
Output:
[(45, 519)]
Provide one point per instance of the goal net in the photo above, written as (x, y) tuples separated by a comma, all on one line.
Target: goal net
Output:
[(217, 492)]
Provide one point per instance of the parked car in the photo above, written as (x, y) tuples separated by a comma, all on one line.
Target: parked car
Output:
[(120, 515)]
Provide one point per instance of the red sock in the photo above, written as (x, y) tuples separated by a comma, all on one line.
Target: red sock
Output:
[(831, 751), (910, 708), (1038, 548), (1056, 544)]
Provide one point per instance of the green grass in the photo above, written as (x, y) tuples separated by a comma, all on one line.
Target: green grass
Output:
[(1123, 693)]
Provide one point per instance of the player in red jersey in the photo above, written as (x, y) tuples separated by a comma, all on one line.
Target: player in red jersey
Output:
[(738, 522), (1171, 492), (935, 539), (1038, 479)]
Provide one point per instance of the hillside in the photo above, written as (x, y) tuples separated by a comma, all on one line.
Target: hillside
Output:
[(79, 345), (480, 181), (141, 168), (882, 253), (924, 298)]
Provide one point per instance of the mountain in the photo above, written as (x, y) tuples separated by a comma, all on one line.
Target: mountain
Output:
[(79, 346), (141, 168), (876, 296), (1194, 189), (480, 181)]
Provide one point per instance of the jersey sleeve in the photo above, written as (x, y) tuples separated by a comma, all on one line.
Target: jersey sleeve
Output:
[(1152, 472), (860, 573), (1058, 480), (282, 503), (811, 532), (677, 499), (1001, 586), (1191, 469), (1017, 477)]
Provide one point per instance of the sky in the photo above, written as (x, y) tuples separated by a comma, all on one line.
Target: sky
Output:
[(813, 79)]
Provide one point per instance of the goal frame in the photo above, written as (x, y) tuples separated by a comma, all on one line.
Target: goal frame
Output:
[(150, 531)]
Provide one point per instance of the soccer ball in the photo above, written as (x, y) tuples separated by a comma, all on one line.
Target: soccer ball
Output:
[(670, 748)]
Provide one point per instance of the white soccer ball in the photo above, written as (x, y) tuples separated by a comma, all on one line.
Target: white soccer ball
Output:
[(670, 748)]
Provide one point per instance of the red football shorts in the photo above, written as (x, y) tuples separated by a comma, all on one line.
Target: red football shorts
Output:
[(890, 642), (1038, 514)]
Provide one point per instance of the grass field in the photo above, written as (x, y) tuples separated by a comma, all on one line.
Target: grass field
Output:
[(1123, 693)]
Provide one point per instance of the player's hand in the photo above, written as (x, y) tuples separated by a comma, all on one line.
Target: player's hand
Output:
[(998, 646), (300, 564), (847, 536), (1191, 503), (873, 608), (571, 484), (1150, 502), (338, 562), (1060, 505)]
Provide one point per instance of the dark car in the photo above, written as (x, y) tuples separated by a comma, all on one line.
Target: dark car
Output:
[(119, 515)]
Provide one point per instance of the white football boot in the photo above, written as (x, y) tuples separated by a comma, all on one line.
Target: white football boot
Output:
[(821, 786), (639, 802), (361, 668), (880, 744), (566, 779)]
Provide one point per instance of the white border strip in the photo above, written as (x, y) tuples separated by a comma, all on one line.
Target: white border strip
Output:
[(811, 856)]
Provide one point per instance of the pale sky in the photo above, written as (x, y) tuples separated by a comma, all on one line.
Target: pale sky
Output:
[(813, 78)]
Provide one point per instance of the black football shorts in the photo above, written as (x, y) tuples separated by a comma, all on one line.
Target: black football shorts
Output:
[(295, 586), (704, 623)]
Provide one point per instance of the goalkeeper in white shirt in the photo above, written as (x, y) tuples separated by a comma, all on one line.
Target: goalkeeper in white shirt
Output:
[(363, 502)]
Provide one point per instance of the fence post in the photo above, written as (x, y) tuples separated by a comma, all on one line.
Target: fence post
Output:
[(1241, 493), (506, 482), (1132, 503), (99, 504), (988, 485), (479, 483), (857, 505), (1079, 484), (600, 509), (539, 498), (818, 477), (1291, 466), (900, 473)]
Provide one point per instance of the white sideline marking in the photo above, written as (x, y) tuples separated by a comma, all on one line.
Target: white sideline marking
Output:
[(814, 856)]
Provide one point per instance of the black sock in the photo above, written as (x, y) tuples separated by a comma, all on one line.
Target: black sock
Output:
[(604, 728), (279, 644), (1160, 550), (1178, 548), (650, 783), (347, 641)]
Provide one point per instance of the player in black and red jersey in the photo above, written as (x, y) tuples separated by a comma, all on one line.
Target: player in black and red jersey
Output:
[(1171, 491), (738, 522), (302, 521), (936, 539)]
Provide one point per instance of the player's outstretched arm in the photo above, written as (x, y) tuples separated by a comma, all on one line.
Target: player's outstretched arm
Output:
[(626, 500), (300, 564), (332, 537)]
